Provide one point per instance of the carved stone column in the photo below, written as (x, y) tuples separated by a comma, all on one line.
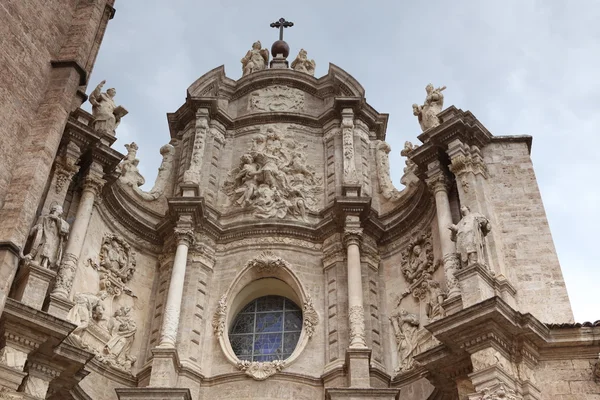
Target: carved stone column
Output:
[(192, 175), (65, 168), (168, 335), (357, 354), (92, 186), (438, 183)]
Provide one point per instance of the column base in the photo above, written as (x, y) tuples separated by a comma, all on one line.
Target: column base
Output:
[(59, 306), (360, 394), (358, 365), (165, 366), (32, 283), (150, 393), (476, 284)]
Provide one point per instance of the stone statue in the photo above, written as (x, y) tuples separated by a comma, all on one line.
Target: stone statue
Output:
[(303, 64), (427, 113), (122, 329), (107, 115), (469, 236), (435, 298), (406, 326), (255, 59), (49, 234), (88, 307), (130, 173)]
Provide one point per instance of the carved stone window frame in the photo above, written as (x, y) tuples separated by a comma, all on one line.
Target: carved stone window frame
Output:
[(264, 275)]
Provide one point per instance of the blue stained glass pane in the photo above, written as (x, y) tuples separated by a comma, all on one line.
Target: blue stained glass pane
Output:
[(267, 343), (291, 306), (244, 323), (269, 303), (289, 341), (242, 344), (293, 321), (250, 308), (269, 357), (269, 322)]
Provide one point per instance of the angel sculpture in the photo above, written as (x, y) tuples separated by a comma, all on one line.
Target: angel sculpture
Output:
[(255, 59), (107, 115), (303, 64)]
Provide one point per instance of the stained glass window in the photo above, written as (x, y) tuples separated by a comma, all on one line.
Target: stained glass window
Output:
[(266, 329)]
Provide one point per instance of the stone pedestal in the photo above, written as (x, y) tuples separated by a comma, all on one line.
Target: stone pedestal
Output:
[(279, 62), (357, 364), (476, 284), (32, 284), (153, 393), (59, 306), (361, 394), (165, 363)]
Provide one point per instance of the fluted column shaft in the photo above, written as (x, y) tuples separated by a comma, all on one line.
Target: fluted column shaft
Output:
[(66, 272), (356, 313), (170, 324)]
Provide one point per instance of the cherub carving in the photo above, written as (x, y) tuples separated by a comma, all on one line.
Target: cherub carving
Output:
[(255, 59)]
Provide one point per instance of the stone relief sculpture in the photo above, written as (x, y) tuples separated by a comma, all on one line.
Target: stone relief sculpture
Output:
[(261, 370), (131, 176), (107, 115), (273, 179), (255, 59), (218, 321), (122, 329), (501, 392), (303, 64), (267, 262), (310, 317), (431, 292), (428, 112), (469, 235), (386, 187), (88, 307), (417, 258), (117, 260), (596, 369), (192, 175), (49, 235), (406, 326), (347, 126), (276, 98), (356, 317)]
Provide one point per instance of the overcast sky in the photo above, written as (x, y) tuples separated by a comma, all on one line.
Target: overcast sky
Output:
[(522, 67)]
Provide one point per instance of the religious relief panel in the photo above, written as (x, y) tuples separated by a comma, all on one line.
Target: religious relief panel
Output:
[(417, 258), (276, 98), (273, 179), (104, 325), (406, 327)]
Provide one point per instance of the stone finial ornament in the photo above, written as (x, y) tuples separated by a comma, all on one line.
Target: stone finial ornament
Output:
[(107, 115), (427, 113), (49, 235), (303, 64), (255, 59), (469, 235)]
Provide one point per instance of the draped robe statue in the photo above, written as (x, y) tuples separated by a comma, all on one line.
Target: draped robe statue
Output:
[(469, 235), (49, 234)]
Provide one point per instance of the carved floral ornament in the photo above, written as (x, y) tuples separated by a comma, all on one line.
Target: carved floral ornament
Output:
[(499, 392), (276, 98), (266, 264)]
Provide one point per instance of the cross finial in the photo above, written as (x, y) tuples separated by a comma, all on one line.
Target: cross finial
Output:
[(282, 23)]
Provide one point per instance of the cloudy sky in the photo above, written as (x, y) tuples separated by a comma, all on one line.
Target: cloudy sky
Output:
[(521, 66)]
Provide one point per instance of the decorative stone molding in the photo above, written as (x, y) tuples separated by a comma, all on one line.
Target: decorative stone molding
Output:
[(267, 262), (192, 175), (310, 316), (347, 127), (451, 267), (117, 261), (438, 183), (220, 316), (386, 187), (352, 236), (276, 98), (465, 159), (596, 370), (6, 394), (356, 317), (93, 184), (65, 275), (499, 392), (273, 240), (64, 171), (260, 370)]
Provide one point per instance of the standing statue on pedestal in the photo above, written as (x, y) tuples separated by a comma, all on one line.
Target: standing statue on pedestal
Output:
[(303, 64), (469, 236), (255, 59), (49, 234), (428, 112), (107, 115)]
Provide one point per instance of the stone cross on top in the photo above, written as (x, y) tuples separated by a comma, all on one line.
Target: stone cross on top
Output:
[(282, 23)]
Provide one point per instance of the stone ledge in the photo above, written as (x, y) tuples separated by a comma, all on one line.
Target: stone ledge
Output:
[(361, 393), (153, 393)]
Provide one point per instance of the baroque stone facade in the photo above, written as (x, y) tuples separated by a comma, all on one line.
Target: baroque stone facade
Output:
[(274, 258)]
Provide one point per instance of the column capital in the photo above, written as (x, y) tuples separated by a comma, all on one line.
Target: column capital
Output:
[(184, 235), (93, 183), (438, 183), (64, 170), (352, 235)]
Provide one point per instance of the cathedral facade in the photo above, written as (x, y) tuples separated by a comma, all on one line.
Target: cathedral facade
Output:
[(273, 257)]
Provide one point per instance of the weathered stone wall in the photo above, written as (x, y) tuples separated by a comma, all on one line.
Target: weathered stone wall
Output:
[(529, 253), (567, 379)]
